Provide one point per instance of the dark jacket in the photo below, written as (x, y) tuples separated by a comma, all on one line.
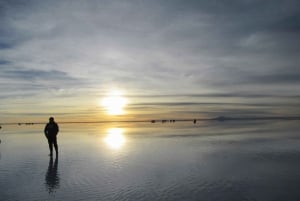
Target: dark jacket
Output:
[(51, 129)]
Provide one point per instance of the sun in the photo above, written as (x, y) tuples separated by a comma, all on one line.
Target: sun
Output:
[(114, 103)]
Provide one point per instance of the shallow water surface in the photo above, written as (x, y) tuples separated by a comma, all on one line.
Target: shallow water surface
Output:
[(257, 160)]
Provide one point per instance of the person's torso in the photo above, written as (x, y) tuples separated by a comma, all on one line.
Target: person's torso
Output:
[(52, 128)]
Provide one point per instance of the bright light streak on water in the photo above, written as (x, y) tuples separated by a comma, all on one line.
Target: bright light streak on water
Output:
[(115, 138)]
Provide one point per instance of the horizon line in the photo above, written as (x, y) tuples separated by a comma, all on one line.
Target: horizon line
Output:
[(165, 120)]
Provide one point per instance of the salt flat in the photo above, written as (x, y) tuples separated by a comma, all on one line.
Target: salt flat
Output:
[(249, 160)]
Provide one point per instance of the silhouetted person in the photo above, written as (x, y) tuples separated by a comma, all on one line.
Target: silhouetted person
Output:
[(52, 177), (51, 131)]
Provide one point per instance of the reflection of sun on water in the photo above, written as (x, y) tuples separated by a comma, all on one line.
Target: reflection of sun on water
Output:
[(114, 103), (115, 138)]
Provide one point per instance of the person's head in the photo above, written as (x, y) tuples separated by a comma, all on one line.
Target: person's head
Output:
[(51, 119)]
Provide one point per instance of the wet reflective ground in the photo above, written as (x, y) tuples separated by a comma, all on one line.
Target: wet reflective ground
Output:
[(256, 160)]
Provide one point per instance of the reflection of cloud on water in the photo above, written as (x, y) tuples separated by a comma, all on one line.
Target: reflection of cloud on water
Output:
[(52, 176), (115, 138)]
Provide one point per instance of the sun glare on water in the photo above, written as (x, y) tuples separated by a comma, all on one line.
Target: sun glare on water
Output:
[(115, 138), (114, 103)]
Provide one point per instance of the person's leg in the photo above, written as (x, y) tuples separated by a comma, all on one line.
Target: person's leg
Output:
[(55, 145), (50, 143)]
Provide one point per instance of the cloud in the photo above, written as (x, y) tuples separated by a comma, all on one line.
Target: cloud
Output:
[(32, 75), (227, 48), (19, 81)]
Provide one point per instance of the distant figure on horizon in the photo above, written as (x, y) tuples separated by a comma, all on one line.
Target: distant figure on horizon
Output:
[(51, 131)]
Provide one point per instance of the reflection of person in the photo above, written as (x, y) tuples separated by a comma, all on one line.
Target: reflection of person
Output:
[(52, 177), (51, 131)]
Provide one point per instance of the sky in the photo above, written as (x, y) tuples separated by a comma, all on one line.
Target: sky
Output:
[(164, 59)]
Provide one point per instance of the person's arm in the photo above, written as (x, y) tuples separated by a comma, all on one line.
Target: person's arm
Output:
[(57, 128), (46, 130)]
